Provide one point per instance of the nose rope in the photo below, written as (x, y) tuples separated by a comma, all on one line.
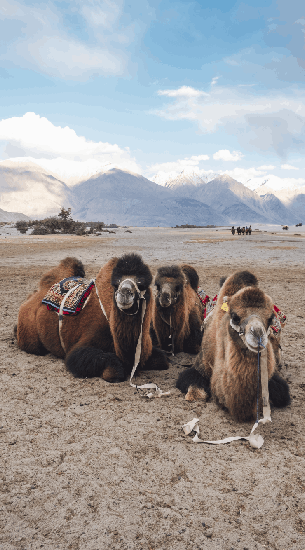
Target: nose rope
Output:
[(171, 332), (259, 344)]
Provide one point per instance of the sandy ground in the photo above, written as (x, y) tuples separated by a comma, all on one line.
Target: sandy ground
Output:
[(88, 465)]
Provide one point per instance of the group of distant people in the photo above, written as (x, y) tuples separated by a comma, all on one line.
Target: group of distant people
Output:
[(241, 230)]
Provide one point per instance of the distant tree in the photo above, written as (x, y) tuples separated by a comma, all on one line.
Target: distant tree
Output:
[(65, 214)]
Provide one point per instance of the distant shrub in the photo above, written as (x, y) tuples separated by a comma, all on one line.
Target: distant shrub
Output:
[(22, 226), (61, 224), (40, 230)]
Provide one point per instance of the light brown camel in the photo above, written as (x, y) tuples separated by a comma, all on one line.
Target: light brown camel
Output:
[(95, 342), (177, 312), (227, 365)]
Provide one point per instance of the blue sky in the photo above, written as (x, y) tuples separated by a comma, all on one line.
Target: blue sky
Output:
[(156, 86)]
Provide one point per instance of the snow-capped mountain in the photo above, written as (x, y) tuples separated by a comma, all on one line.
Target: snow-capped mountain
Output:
[(126, 198), (184, 179)]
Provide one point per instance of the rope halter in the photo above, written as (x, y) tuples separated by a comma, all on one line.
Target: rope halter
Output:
[(140, 296)]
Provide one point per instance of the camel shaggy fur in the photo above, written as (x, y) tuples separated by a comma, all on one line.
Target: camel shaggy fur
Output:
[(177, 311), (95, 346), (226, 366)]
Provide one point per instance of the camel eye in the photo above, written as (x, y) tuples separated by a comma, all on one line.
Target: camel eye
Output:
[(141, 286), (158, 287), (235, 318), (178, 288)]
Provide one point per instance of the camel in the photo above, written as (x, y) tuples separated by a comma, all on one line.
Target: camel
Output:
[(285, 227), (101, 339), (233, 230), (238, 230), (226, 367), (177, 312)]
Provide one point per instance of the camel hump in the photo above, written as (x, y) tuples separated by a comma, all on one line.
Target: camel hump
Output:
[(191, 275), (68, 267), (75, 265), (238, 280)]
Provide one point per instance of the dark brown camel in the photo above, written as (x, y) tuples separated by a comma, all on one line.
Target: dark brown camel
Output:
[(178, 312), (92, 344)]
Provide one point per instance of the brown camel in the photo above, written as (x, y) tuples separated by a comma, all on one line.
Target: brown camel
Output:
[(177, 313), (227, 364), (95, 342)]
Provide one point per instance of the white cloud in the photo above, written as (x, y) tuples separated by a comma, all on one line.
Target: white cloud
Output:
[(188, 164), (200, 157), (214, 80), (65, 57), (267, 167), (226, 155), (37, 36), (288, 167), (36, 137), (183, 92), (260, 122)]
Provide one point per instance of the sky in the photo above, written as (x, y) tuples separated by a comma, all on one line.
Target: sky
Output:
[(155, 87)]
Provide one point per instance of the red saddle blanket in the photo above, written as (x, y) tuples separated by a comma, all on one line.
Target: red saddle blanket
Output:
[(79, 291)]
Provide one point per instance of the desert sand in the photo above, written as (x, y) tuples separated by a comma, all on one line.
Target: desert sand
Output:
[(86, 465)]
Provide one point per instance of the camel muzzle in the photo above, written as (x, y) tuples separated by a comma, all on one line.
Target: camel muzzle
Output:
[(126, 294), (255, 333), (167, 297)]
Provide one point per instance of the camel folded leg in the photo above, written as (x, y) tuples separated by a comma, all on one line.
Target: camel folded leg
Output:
[(194, 384), (89, 362)]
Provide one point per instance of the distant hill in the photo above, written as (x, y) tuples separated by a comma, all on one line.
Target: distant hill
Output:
[(12, 216), (124, 198), (28, 188), (292, 199)]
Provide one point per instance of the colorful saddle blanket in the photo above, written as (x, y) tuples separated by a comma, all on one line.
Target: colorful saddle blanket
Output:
[(79, 291)]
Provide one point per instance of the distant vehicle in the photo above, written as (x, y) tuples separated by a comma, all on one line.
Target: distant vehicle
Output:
[(299, 225), (285, 227)]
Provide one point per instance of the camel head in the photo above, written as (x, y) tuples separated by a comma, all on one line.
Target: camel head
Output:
[(169, 285), (251, 314), (130, 279)]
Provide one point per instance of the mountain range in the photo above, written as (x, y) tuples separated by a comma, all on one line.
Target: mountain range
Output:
[(117, 196)]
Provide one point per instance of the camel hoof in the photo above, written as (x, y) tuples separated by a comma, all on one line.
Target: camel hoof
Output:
[(194, 394)]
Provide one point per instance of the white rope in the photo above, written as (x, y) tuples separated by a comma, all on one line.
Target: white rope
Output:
[(102, 307), (61, 316), (255, 440), (152, 385)]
